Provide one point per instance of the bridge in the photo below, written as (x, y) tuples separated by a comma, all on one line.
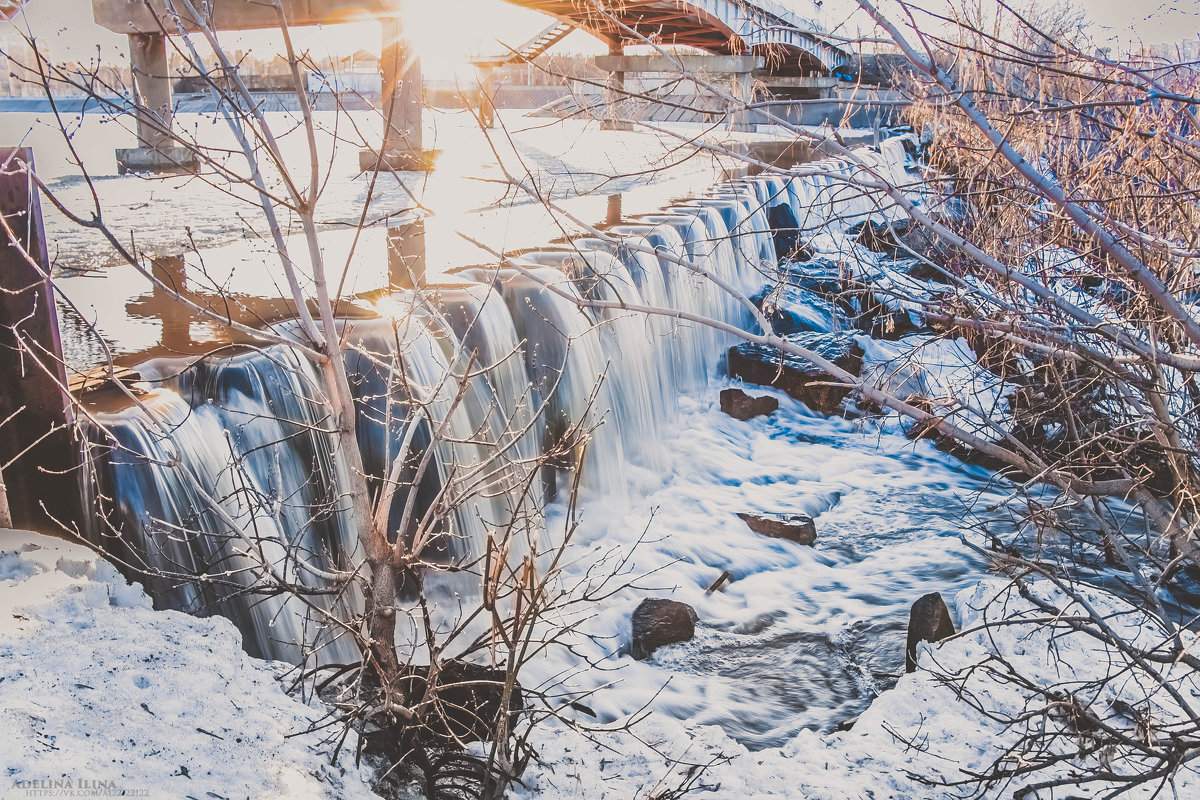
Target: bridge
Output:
[(761, 31)]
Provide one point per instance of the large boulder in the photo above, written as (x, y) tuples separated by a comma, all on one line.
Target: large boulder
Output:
[(796, 528), (785, 231), (893, 326), (740, 405), (928, 621), (790, 308), (800, 378), (658, 622)]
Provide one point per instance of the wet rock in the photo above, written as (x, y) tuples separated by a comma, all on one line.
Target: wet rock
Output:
[(928, 621), (796, 528), (792, 309), (893, 325), (740, 405), (905, 240), (881, 237), (800, 378), (933, 252), (785, 230), (658, 622), (927, 429)]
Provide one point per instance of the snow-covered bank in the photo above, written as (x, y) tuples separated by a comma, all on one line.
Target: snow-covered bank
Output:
[(100, 695), (914, 739)]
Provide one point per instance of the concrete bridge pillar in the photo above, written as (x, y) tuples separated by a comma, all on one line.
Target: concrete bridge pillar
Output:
[(487, 96), (714, 68), (741, 117), (401, 100), (156, 150), (616, 92)]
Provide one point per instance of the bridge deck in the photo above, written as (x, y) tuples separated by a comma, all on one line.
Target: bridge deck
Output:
[(718, 26)]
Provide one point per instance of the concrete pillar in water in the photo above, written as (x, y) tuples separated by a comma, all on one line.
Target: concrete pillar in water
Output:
[(741, 118), (152, 88), (487, 95), (406, 254), (35, 409), (616, 93), (401, 103)]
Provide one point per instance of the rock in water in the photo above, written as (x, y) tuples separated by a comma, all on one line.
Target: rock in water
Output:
[(785, 230), (928, 621), (799, 377), (658, 622), (740, 405), (796, 528)]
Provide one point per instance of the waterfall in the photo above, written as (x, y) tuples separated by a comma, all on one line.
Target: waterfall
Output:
[(205, 525), (500, 380)]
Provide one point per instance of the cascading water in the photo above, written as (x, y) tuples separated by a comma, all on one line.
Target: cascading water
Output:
[(533, 365)]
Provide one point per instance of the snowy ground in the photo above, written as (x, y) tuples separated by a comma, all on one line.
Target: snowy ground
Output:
[(102, 696), (910, 743)]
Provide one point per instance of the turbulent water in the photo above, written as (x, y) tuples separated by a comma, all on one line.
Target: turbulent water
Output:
[(801, 637)]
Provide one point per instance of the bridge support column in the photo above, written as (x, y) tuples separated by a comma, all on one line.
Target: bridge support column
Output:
[(401, 99), (616, 95), (716, 69), (152, 89), (487, 96), (741, 117)]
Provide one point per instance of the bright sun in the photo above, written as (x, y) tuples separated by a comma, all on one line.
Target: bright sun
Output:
[(445, 34)]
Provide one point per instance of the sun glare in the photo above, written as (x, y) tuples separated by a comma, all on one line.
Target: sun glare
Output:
[(446, 34)]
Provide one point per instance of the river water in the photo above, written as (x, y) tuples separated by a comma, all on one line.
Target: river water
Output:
[(800, 638)]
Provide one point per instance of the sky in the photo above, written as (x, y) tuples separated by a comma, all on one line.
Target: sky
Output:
[(66, 27)]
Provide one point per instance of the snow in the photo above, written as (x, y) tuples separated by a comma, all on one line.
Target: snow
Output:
[(106, 693), (910, 742), (102, 694)]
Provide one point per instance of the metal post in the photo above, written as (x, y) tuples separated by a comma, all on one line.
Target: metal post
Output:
[(34, 405)]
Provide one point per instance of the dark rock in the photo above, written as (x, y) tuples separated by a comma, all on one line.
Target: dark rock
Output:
[(740, 405), (928, 621), (927, 429), (796, 528), (905, 240), (793, 309), (893, 325), (821, 276), (799, 377), (881, 237), (785, 230), (658, 622)]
